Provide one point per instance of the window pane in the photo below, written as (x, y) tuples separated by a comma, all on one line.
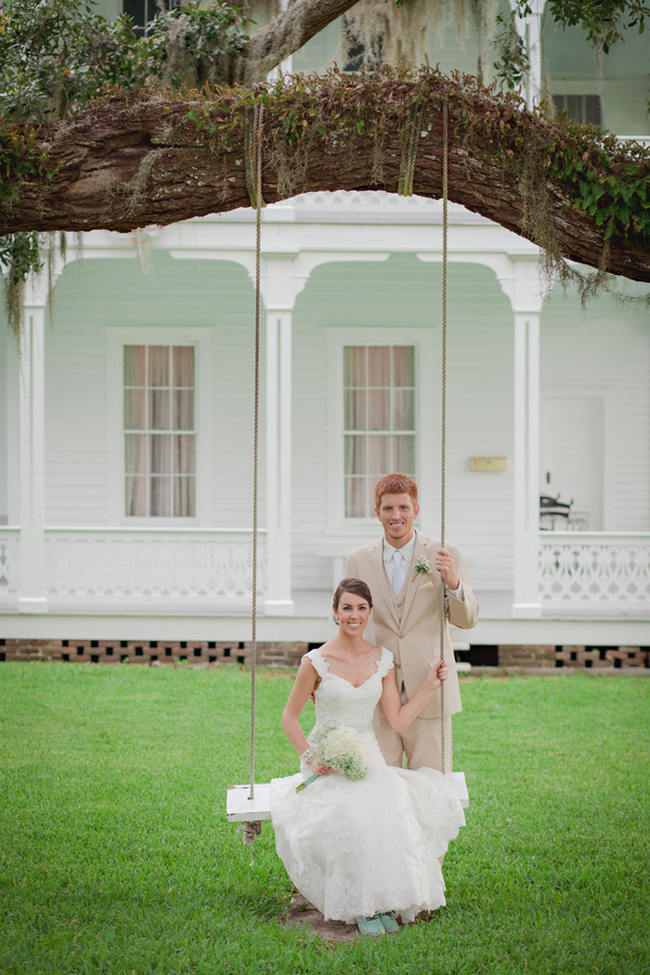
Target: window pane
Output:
[(355, 497), (404, 455), (355, 410), (161, 496), (378, 365), (159, 365), (136, 497), (159, 401), (134, 409), (184, 454), (379, 456), (134, 361), (183, 365), (355, 455), (354, 365), (403, 409), (403, 365), (183, 407), (184, 497), (379, 409), (161, 455), (135, 453)]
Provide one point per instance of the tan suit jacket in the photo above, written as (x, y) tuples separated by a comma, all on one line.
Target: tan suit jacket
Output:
[(409, 624)]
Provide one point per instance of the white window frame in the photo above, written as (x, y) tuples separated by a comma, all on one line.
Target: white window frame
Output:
[(116, 338), (427, 436)]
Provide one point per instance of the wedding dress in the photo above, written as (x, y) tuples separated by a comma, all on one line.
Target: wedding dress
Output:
[(370, 846)]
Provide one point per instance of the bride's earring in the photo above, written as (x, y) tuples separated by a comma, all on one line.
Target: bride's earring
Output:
[(336, 620)]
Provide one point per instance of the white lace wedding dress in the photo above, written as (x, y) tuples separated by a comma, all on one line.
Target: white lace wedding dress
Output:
[(371, 846)]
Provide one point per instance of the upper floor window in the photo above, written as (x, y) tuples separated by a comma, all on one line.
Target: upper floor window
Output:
[(583, 108), (378, 420), (143, 11), (159, 431)]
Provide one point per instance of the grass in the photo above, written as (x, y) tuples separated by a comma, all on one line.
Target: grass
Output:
[(116, 857)]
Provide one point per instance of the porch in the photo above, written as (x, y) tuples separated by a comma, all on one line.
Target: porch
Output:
[(593, 588)]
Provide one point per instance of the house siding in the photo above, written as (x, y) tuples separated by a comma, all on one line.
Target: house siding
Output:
[(97, 295), (605, 350), (399, 293)]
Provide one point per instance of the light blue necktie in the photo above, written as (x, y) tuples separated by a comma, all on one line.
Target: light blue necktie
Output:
[(397, 577)]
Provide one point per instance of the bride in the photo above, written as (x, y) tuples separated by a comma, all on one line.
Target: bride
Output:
[(363, 847)]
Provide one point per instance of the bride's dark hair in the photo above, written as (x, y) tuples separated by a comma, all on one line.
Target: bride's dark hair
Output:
[(357, 586)]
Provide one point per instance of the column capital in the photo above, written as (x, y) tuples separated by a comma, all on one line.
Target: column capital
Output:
[(38, 283), (521, 284)]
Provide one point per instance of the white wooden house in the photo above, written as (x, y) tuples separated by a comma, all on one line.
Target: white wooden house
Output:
[(125, 445)]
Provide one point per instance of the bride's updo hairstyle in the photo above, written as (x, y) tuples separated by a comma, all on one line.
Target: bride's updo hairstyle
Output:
[(357, 586)]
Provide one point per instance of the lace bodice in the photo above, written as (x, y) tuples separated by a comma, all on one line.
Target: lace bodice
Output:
[(340, 702)]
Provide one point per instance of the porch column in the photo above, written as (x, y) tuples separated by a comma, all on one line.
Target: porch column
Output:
[(279, 600), (527, 303), (31, 453), (530, 32), (526, 464), (283, 278)]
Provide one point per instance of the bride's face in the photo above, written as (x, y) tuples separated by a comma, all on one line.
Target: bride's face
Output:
[(353, 613)]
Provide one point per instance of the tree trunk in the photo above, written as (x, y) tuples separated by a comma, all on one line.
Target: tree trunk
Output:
[(130, 162)]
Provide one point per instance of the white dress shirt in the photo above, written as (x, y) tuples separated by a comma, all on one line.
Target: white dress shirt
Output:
[(406, 551)]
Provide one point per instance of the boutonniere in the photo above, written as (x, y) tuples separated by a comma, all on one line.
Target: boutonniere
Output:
[(422, 565)]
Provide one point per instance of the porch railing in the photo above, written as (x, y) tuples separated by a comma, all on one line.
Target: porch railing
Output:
[(595, 570), (140, 565), (9, 562)]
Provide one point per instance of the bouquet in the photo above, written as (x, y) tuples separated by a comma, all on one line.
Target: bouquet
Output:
[(339, 747)]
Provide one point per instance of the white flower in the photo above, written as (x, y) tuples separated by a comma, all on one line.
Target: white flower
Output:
[(339, 747), (422, 565)]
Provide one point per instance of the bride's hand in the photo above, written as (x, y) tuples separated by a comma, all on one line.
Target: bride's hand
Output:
[(314, 763), (437, 673)]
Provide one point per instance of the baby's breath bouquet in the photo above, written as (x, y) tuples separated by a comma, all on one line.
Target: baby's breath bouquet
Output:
[(339, 747)]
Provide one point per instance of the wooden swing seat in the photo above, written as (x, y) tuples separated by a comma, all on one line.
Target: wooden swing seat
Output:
[(240, 808)]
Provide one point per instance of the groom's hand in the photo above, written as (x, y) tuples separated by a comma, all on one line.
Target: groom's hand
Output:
[(444, 563)]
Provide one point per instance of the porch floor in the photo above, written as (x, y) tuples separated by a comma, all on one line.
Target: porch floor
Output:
[(311, 622)]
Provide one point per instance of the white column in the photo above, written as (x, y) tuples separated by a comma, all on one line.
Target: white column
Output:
[(31, 455), (279, 601), (520, 282), (526, 464), (530, 31)]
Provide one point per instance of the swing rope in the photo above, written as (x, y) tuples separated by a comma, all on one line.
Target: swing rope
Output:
[(258, 116), (254, 156), (443, 416)]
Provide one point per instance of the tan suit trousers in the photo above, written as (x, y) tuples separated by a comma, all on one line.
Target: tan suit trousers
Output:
[(420, 742)]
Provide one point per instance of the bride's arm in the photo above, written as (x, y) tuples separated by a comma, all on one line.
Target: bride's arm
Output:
[(400, 715), (303, 688)]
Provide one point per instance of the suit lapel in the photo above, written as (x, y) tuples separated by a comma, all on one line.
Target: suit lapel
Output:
[(381, 583), (412, 582)]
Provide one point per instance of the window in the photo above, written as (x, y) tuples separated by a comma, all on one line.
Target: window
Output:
[(582, 108), (142, 12), (159, 430), (378, 420)]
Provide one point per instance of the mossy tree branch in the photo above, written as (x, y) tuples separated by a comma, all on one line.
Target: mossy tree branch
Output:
[(130, 161), (285, 34)]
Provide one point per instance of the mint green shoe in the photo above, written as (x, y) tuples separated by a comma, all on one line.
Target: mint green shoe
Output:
[(370, 925), (388, 923)]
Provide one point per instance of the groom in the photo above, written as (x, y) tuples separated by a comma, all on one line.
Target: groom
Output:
[(403, 570)]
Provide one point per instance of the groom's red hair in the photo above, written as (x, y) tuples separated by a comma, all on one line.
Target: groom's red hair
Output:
[(395, 484)]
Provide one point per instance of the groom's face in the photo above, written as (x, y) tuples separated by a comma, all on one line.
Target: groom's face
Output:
[(397, 512)]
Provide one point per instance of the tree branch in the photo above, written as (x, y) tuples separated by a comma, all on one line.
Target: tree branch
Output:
[(154, 159), (285, 34)]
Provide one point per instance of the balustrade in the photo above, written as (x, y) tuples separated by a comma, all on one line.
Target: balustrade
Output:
[(132, 565), (595, 570)]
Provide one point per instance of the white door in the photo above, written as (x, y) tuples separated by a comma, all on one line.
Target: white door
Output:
[(572, 445)]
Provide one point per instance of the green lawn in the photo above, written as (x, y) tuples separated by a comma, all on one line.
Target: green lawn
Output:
[(116, 856)]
